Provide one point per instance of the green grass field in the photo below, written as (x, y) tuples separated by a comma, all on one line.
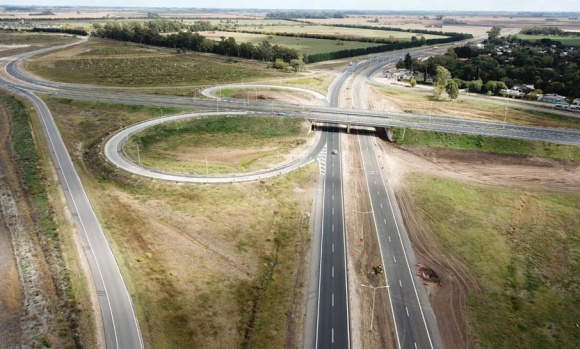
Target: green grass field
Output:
[(304, 46), (218, 144), (524, 249), (158, 70), (10, 38), (565, 40), (339, 31), (487, 144)]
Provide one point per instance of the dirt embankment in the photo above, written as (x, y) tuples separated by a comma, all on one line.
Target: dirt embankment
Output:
[(449, 301), (11, 306)]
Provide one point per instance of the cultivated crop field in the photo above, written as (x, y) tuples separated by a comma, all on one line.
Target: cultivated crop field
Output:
[(565, 40), (344, 32), (143, 67), (8, 38), (305, 46)]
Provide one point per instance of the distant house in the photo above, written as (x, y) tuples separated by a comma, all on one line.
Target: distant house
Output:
[(576, 101), (552, 98), (513, 93), (524, 88)]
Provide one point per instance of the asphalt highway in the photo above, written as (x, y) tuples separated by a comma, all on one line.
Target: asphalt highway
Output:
[(120, 324), (414, 320), (113, 151), (333, 330)]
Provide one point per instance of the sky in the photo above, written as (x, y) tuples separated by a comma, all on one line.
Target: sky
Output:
[(419, 5)]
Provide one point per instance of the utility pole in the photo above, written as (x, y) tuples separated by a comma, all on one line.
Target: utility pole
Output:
[(505, 117), (206, 172), (374, 294)]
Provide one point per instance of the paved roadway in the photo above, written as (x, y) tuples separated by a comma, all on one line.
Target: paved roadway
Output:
[(331, 114), (113, 151), (333, 329), (120, 324), (328, 114), (415, 322)]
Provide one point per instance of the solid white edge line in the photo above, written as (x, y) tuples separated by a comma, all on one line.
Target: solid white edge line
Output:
[(406, 259), (57, 158), (378, 238), (320, 262), (345, 246)]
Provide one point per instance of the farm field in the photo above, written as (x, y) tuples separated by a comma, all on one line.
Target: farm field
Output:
[(250, 22), (404, 22), (344, 32), (9, 38), (305, 46), (119, 64), (565, 40)]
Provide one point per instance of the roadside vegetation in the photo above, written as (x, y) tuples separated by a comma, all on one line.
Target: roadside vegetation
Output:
[(498, 145), (534, 68), (71, 322), (208, 266), (19, 38), (422, 101), (522, 246), (221, 144), (166, 69)]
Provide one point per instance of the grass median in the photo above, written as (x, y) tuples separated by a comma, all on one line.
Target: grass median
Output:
[(498, 145), (218, 145)]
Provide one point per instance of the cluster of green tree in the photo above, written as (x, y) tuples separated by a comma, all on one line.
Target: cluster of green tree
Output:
[(550, 31), (453, 35), (149, 33), (43, 13), (303, 14), (74, 31), (487, 70), (327, 56)]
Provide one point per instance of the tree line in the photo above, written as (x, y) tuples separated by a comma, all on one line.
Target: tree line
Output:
[(550, 69), (150, 33), (550, 31)]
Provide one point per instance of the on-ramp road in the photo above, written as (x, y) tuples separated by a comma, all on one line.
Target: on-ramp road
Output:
[(120, 324)]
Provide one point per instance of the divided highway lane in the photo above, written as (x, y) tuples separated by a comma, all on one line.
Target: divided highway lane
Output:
[(120, 324), (415, 322), (333, 330)]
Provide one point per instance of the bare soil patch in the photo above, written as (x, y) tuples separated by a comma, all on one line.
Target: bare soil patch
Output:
[(279, 96)]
